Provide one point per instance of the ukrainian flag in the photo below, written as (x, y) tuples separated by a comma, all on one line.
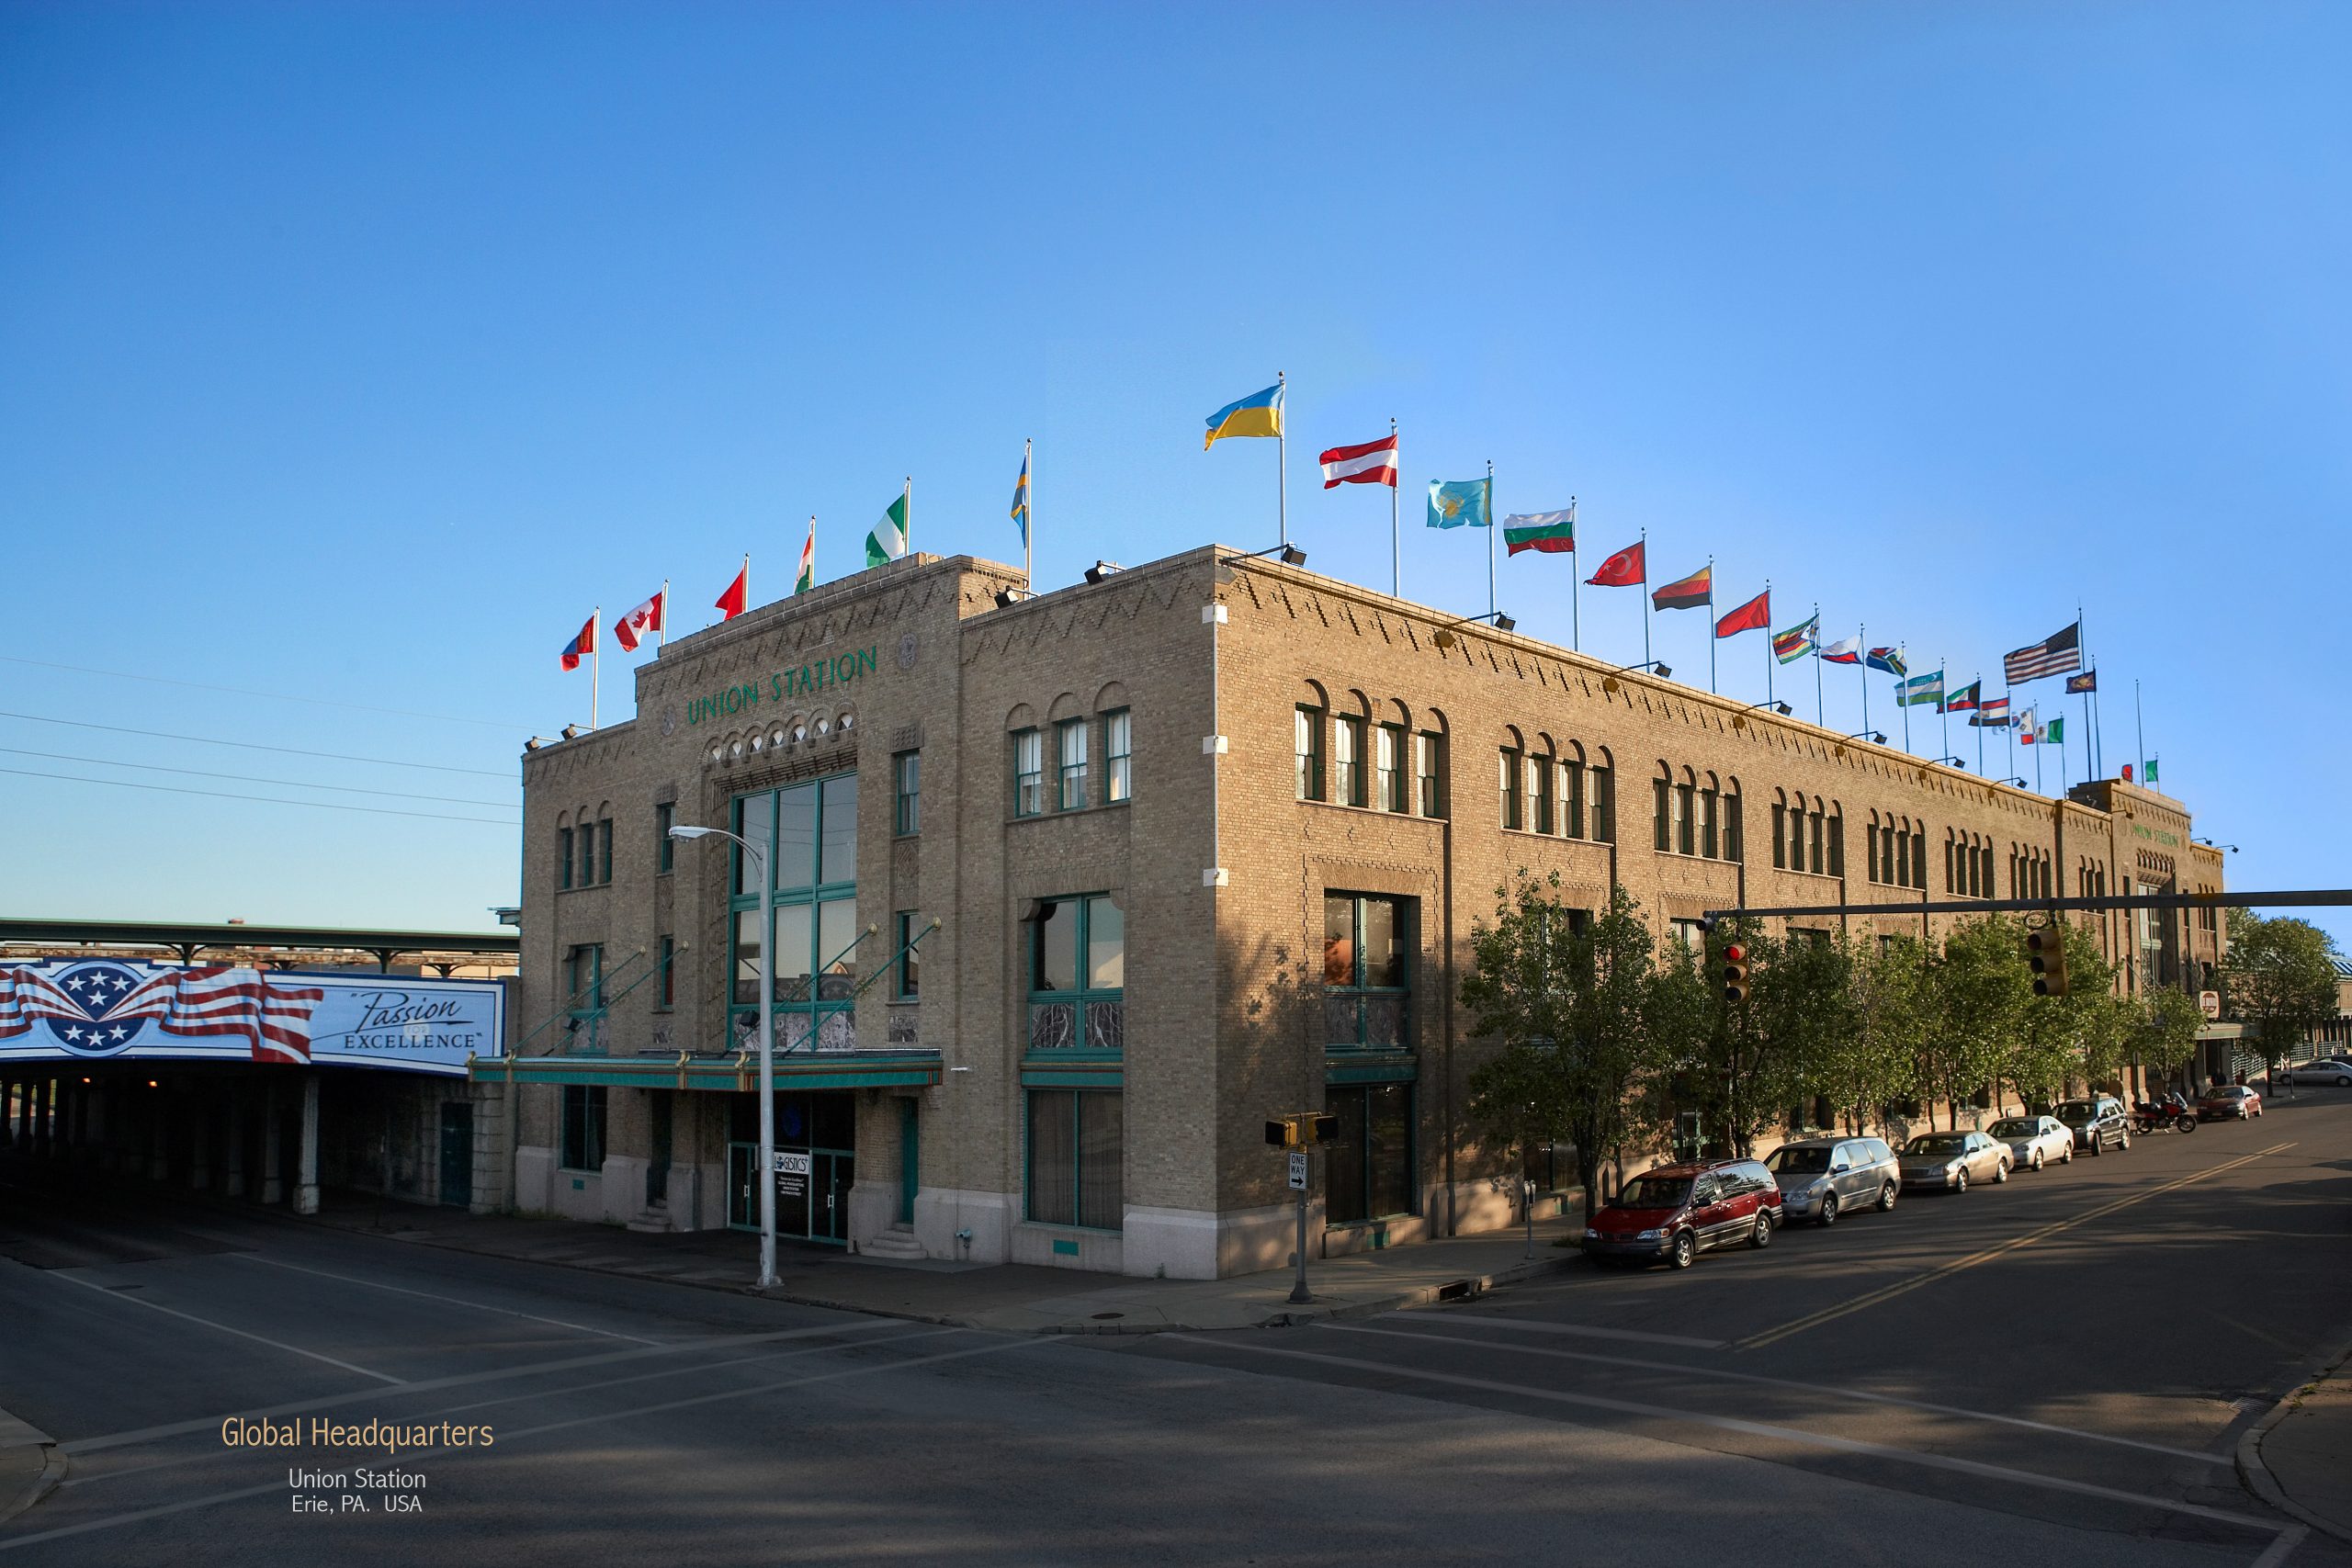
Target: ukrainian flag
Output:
[(1260, 413)]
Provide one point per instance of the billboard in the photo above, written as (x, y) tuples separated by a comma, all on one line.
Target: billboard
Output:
[(103, 1009)]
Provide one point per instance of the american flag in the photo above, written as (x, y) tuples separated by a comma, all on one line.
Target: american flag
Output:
[(217, 1000), (2053, 654)]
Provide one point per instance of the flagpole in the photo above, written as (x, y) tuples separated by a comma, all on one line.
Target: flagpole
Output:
[(1645, 597), (1943, 701), (2008, 727), (1903, 697), (1028, 517), (2037, 767), (1862, 643), (1771, 659), (1819, 716), (662, 632), (2083, 658), (1490, 538), (1978, 720), (907, 532), (2090, 736), (1711, 623), (1396, 519), (595, 664), (1576, 585), (1282, 454), (2139, 734)]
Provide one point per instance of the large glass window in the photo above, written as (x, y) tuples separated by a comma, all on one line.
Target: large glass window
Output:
[(1077, 974), (1077, 1152), (1367, 971), (1070, 752), (1118, 757), (814, 951), (1028, 772), (1368, 1171), (1347, 755), (1306, 745), (906, 773), (584, 1127)]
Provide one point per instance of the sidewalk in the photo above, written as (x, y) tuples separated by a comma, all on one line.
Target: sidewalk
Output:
[(2299, 1458), (29, 1466), (1010, 1298)]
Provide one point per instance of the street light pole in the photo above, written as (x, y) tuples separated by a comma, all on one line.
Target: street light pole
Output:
[(760, 862)]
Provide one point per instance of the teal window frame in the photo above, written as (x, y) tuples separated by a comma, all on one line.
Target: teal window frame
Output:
[(1028, 772), (906, 790), (1097, 1017), (1539, 794), (604, 850), (563, 859), (1118, 757), (1069, 776), (825, 1002), (580, 1135), (1389, 749), (1572, 800), (1348, 761), (906, 982), (669, 961), (1088, 1210), (665, 848), (1352, 994), (1306, 750)]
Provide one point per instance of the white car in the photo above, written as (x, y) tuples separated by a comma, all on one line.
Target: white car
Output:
[(2334, 1073), (2035, 1141)]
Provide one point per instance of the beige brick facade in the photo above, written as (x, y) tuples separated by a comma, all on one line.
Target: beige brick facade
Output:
[(1221, 870)]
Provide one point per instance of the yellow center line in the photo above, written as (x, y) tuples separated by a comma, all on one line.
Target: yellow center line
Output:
[(1889, 1292)]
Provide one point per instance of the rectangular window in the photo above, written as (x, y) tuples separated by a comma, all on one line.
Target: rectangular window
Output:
[(1069, 748), (1685, 830), (909, 977), (1347, 758), (1887, 840), (1429, 772), (1367, 972), (1306, 743), (1368, 1171), (1817, 820), (584, 1127), (1388, 767), (585, 991), (563, 857), (1028, 772), (1711, 828), (1539, 793), (1734, 833), (1919, 857), (1661, 807), (665, 848), (1604, 805), (1572, 801), (604, 849), (1510, 787), (669, 971), (1838, 845), (1077, 1155), (1779, 835), (587, 855), (1077, 974), (1118, 757), (1796, 838), (906, 776), (813, 951)]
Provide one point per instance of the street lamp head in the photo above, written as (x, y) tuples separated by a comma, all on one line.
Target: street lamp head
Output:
[(683, 831)]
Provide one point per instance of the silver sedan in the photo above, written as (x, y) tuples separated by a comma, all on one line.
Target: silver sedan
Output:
[(2035, 1141), (1953, 1160)]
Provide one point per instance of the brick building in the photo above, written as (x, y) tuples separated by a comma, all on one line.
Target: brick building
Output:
[(1204, 841)]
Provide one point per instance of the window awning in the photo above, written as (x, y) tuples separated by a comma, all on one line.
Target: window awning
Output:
[(736, 1074)]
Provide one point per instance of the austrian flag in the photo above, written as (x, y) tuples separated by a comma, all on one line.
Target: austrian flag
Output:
[(1374, 463), (630, 630)]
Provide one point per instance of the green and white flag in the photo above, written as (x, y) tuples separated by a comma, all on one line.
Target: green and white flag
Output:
[(888, 540)]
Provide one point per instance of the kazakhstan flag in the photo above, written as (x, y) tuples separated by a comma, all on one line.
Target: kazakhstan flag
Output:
[(1260, 413), (1459, 503)]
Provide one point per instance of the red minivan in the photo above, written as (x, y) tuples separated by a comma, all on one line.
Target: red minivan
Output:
[(1677, 1211)]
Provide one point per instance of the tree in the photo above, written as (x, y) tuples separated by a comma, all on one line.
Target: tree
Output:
[(2280, 980), (1570, 1008), (2163, 1031), (1981, 989), (1877, 1060), (2083, 1035), (1744, 1064)]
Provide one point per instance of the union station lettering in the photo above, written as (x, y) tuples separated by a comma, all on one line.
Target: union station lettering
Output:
[(817, 676)]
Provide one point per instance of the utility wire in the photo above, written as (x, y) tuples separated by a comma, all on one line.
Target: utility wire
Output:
[(265, 799), (251, 778), (247, 692), (257, 746)]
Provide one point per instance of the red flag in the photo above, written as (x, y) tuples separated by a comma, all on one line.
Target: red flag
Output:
[(1629, 568), (2127, 773), (1374, 463), (1692, 591), (738, 597), (584, 642), (1755, 615), (646, 618)]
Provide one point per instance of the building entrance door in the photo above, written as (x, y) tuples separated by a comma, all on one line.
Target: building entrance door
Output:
[(909, 1159), (458, 1153)]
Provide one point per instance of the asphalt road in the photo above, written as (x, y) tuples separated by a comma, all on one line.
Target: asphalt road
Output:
[(2057, 1371)]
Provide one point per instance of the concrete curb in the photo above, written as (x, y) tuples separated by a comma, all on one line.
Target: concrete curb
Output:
[(1464, 1289), (19, 1436), (2256, 1476)]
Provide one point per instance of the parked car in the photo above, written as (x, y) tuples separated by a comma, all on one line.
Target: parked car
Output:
[(1953, 1160), (2035, 1141), (2335, 1074), (2097, 1122), (2227, 1101), (1821, 1178), (1677, 1211)]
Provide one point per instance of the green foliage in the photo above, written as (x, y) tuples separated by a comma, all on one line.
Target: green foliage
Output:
[(1981, 987), (2163, 1031), (2279, 979), (1881, 1061), (2084, 1034)]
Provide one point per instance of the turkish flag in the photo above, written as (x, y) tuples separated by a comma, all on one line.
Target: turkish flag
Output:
[(1755, 615), (738, 597), (1629, 568)]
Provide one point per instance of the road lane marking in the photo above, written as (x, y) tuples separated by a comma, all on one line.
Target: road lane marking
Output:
[(1794, 1435), (1888, 1292), (461, 1380), (430, 1296), (1713, 1373), (2275, 1552), (222, 1328), (140, 1515), (1682, 1340)]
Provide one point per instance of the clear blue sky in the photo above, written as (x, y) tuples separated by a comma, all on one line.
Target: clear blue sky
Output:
[(355, 351)]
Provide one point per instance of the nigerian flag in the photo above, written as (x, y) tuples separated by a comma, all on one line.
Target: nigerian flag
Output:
[(888, 540)]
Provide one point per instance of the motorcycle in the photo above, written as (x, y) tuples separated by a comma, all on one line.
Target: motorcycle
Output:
[(2169, 1114)]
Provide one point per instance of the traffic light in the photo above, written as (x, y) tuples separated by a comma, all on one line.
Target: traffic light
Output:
[(1735, 971), (2045, 954), (1303, 1131)]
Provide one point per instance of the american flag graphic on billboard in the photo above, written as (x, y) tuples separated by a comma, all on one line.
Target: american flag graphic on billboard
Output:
[(97, 1007)]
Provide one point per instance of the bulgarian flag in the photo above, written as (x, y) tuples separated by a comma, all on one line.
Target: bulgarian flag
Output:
[(888, 542), (808, 577), (1552, 532)]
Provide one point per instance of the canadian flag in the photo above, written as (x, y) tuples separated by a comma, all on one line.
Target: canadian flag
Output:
[(630, 630)]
